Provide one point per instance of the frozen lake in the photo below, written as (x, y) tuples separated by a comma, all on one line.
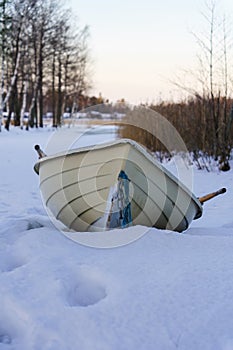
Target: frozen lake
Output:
[(80, 136)]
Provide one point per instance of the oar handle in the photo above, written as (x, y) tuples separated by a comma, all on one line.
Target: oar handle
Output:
[(41, 154), (211, 195)]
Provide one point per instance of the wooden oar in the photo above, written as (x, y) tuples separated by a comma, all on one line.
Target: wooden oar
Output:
[(211, 195), (41, 154)]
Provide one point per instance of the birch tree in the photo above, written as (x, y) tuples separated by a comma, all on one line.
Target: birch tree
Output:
[(5, 23), (16, 34)]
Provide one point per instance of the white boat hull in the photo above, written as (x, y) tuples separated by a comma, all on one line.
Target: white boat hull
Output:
[(78, 188)]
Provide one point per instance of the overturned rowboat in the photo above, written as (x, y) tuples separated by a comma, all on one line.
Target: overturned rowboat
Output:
[(113, 185)]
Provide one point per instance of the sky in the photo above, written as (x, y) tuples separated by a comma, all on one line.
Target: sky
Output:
[(139, 48)]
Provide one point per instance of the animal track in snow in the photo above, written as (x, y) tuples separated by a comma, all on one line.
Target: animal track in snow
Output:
[(87, 289)]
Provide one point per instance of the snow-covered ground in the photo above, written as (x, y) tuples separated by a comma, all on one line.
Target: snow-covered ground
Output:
[(164, 291)]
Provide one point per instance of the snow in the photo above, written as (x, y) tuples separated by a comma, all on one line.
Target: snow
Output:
[(163, 291)]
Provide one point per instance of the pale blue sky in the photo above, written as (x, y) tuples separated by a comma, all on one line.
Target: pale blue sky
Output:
[(138, 46)]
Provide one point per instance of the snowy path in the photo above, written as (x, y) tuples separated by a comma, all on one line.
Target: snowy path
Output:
[(164, 291)]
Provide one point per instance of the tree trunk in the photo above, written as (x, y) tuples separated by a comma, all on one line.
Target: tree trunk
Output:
[(40, 81), (23, 109), (53, 90), (59, 98)]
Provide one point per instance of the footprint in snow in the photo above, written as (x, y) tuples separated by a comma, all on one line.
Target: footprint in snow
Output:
[(86, 289), (5, 339)]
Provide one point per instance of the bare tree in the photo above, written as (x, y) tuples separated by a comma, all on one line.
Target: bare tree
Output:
[(4, 22), (213, 80), (41, 52)]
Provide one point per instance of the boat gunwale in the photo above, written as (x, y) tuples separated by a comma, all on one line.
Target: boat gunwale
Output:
[(141, 149)]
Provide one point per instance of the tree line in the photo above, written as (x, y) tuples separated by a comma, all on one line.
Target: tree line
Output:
[(44, 61), (203, 137)]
